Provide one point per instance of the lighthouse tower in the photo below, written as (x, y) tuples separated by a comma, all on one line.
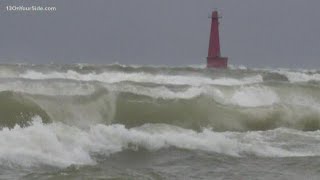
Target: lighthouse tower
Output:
[(214, 59)]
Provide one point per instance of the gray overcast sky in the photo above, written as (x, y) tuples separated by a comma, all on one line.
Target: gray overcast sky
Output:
[(255, 33)]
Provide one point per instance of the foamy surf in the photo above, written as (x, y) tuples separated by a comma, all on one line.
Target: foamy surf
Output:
[(115, 77), (254, 96), (61, 145)]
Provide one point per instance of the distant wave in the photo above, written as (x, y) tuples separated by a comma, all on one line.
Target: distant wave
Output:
[(114, 77), (237, 99), (238, 108)]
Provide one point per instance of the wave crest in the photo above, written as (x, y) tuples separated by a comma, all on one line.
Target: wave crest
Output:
[(61, 145)]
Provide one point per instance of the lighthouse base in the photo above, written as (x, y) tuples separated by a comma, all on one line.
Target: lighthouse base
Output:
[(217, 62)]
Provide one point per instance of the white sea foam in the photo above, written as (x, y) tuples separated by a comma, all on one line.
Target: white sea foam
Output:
[(61, 145), (237, 67), (48, 88), (114, 77), (299, 76), (254, 96), (73, 88), (302, 77), (159, 92)]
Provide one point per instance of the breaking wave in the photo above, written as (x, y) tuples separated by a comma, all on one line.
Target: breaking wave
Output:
[(61, 145), (236, 108), (60, 115)]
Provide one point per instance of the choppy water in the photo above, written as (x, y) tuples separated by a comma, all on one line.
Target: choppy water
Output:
[(139, 122)]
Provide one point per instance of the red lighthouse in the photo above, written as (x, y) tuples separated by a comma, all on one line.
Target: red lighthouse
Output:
[(214, 59)]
